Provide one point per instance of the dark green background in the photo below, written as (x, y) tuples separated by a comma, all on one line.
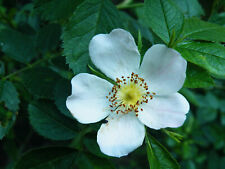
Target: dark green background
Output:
[(38, 38)]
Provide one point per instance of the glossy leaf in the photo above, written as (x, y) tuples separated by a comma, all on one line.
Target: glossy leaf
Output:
[(210, 56), (164, 18), (90, 18), (50, 123), (158, 156), (197, 29), (197, 77)]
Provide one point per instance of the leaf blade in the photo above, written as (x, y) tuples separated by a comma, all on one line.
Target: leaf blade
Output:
[(50, 123), (163, 17), (90, 18), (158, 156)]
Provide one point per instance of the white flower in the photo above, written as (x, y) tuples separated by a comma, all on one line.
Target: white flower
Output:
[(145, 94)]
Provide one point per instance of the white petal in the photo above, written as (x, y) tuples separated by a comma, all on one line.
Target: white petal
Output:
[(115, 54), (164, 111), (88, 103), (164, 69), (121, 135)]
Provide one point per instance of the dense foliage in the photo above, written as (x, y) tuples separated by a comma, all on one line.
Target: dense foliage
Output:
[(44, 43)]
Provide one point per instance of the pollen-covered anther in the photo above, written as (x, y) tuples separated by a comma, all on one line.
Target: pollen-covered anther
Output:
[(128, 94)]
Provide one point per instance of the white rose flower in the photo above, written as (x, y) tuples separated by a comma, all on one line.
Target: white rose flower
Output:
[(145, 94)]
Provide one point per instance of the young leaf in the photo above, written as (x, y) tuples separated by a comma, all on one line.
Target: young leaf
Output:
[(163, 17), (210, 56), (50, 123), (197, 29), (18, 46), (9, 95), (90, 18), (158, 156), (197, 77), (48, 157)]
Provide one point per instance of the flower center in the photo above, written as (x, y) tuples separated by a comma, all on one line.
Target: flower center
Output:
[(128, 94)]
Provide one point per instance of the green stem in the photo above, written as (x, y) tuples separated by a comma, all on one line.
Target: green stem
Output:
[(126, 6), (27, 67), (175, 136)]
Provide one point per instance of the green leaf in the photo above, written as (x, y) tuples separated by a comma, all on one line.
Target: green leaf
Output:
[(48, 158), (218, 18), (197, 77), (25, 17), (211, 101), (40, 82), (56, 9), (163, 17), (210, 56), (158, 156), (222, 162), (197, 29), (101, 75), (18, 46), (87, 161), (190, 95), (214, 161), (48, 37), (60, 158), (7, 120), (133, 26), (139, 41), (190, 7), (50, 123), (214, 133), (205, 115), (61, 91), (175, 136), (2, 68), (93, 147), (90, 18), (9, 95)]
